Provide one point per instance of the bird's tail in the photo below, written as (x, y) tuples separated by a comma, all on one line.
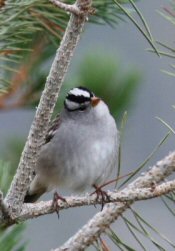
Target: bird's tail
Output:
[(35, 191)]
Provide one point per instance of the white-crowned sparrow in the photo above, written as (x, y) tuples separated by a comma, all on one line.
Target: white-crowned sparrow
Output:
[(81, 146)]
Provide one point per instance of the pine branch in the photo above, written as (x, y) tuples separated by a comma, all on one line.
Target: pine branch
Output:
[(30, 211), (72, 8), (21, 181), (102, 220), (143, 188)]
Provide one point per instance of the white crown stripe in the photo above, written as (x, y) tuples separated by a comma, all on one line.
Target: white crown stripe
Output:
[(71, 104), (79, 92)]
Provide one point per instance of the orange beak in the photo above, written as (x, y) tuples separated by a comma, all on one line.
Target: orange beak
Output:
[(95, 101)]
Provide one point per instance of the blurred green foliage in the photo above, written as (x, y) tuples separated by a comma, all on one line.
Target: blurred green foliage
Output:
[(106, 77), (6, 174), (11, 159), (11, 237)]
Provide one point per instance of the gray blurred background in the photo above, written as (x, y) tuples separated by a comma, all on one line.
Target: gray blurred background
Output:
[(154, 97)]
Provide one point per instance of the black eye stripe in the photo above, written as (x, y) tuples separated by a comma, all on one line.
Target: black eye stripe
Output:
[(78, 99)]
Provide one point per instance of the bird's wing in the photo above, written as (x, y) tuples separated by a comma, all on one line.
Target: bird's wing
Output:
[(39, 188), (52, 129)]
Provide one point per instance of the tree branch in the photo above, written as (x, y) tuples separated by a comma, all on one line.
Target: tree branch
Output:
[(102, 220), (76, 9), (72, 8), (35, 210), (21, 181), (145, 187)]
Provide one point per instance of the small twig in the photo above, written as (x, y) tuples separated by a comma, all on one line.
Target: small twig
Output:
[(83, 8), (72, 8), (115, 180)]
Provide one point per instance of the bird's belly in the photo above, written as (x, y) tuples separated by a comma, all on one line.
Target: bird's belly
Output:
[(78, 167)]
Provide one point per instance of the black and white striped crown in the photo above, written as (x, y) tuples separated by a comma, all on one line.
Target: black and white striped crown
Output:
[(78, 98)]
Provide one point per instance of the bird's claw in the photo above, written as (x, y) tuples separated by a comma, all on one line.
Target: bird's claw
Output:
[(101, 193), (55, 205)]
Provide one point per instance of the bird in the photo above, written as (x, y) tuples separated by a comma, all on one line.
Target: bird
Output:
[(80, 149)]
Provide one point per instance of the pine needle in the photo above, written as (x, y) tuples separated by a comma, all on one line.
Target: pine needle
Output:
[(138, 169), (138, 27), (142, 19), (118, 241), (140, 220), (122, 127), (168, 206), (130, 225), (166, 124)]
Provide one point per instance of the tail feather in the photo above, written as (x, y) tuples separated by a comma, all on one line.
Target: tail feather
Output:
[(35, 191), (30, 198)]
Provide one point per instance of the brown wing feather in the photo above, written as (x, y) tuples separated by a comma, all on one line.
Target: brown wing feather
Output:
[(29, 198), (52, 129)]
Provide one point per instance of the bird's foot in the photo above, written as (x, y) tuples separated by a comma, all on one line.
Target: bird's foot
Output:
[(55, 205), (101, 194)]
